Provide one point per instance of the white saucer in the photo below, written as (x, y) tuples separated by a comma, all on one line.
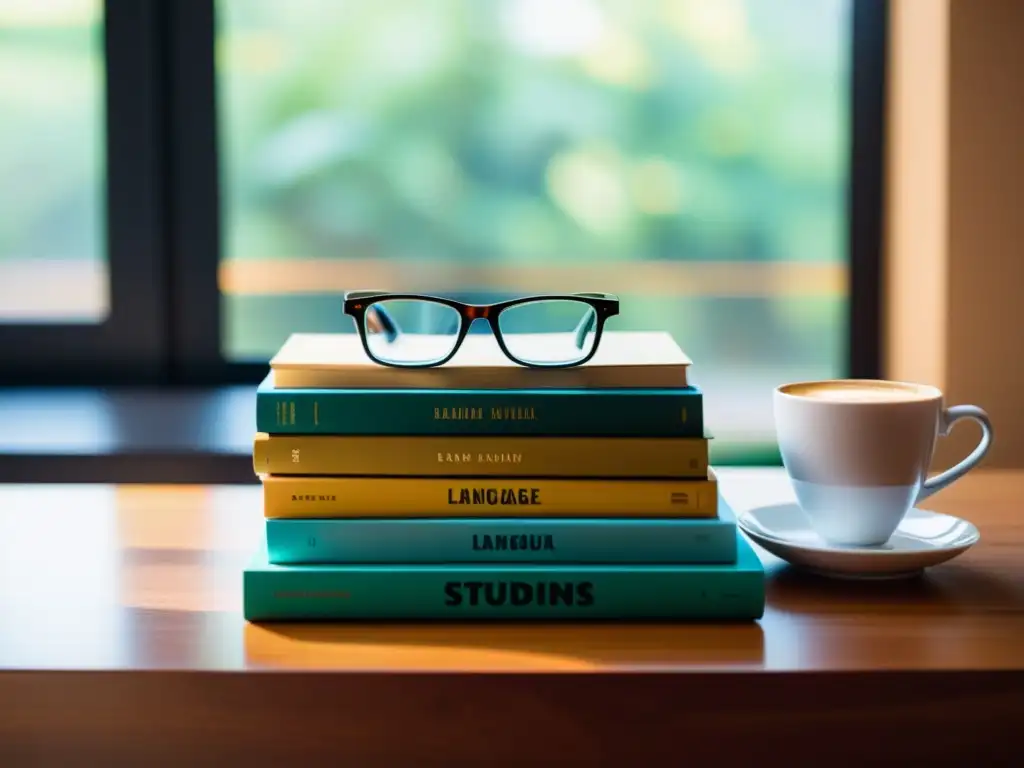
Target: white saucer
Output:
[(922, 539)]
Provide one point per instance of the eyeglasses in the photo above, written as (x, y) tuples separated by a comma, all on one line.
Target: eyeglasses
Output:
[(407, 330)]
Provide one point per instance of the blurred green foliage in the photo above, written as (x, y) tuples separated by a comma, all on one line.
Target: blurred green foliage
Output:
[(528, 131), (545, 133), (51, 131)]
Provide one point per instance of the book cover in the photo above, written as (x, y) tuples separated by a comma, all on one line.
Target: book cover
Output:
[(542, 412), (531, 592), (290, 496), (500, 456), (638, 359), (504, 540)]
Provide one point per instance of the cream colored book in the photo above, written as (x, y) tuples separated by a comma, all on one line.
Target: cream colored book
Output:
[(633, 359)]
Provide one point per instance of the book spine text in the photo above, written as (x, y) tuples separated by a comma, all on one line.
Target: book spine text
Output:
[(314, 497), (476, 456), (641, 593), (296, 542), (653, 413)]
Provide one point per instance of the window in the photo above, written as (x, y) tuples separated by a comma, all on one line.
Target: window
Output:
[(692, 157), (51, 163), (191, 182), (80, 297)]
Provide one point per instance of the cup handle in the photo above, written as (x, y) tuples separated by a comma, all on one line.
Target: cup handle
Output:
[(949, 417)]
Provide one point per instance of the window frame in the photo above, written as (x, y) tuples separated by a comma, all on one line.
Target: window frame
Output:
[(129, 345)]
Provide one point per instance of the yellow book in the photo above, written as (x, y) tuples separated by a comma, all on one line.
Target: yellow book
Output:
[(503, 456), (318, 497)]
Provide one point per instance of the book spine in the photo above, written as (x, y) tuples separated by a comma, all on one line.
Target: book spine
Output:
[(444, 540), (317, 497), (475, 456), (613, 413), (544, 592)]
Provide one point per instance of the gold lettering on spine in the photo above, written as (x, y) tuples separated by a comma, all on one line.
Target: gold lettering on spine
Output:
[(316, 414), (285, 413), (514, 413), (458, 413), (683, 415), (495, 413), (683, 500)]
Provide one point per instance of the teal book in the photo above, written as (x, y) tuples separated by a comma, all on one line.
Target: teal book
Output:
[(674, 412), (503, 540), (733, 592)]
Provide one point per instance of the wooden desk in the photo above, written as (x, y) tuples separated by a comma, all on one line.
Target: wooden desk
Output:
[(121, 638)]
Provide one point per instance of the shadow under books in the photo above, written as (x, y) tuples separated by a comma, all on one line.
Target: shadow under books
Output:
[(503, 645)]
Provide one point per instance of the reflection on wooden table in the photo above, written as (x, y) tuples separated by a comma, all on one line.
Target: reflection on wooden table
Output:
[(123, 607), (144, 576), (504, 648)]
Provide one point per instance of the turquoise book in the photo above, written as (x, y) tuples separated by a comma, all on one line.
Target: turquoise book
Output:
[(733, 592), (674, 412), (503, 540)]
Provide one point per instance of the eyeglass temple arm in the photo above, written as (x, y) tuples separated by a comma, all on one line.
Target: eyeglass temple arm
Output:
[(378, 319), (585, 326), (588, 321), (362, 294)]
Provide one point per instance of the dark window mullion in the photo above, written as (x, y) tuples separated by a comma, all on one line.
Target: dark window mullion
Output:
[(866, 198), (193, 191), (135, 171)]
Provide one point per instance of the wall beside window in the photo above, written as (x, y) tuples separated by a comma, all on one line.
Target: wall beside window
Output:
[(955, 271)]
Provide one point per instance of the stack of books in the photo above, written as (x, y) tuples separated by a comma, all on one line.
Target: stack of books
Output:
[(482, 489)]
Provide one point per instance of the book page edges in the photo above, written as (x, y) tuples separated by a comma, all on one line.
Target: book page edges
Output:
[(631, 377), (344, 351)]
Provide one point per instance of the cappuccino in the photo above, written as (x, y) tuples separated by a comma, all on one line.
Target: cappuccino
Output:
[(858, 451), (861, 391)]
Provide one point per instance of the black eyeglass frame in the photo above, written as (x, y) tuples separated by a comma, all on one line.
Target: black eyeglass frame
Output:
[(357, 303)]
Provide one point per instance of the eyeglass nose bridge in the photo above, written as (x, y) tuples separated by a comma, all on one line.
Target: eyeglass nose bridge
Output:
[(487, 314)]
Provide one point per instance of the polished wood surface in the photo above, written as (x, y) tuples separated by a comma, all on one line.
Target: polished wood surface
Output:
[(99, 580), (127, 435)]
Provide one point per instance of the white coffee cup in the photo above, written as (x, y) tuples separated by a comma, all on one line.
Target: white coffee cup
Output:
[(857, 452)]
